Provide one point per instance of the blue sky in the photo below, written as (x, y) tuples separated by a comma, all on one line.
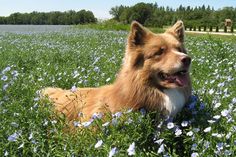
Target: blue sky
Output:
[(99, 7)]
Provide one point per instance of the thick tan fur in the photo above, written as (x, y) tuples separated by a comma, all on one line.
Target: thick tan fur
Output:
[(138, 83)]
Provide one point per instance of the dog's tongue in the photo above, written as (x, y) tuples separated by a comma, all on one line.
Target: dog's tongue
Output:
[(179, 79)]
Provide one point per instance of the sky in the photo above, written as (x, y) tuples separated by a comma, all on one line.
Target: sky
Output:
[(100, 8)]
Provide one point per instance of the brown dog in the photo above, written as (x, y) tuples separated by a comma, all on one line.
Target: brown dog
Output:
[(154, 76)]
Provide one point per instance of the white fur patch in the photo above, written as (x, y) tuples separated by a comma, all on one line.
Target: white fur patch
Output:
[(174, 101)]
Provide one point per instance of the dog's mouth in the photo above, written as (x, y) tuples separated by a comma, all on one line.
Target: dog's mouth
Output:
[(179, 78)]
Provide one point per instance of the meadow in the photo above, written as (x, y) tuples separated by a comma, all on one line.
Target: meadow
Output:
[(71, 57)]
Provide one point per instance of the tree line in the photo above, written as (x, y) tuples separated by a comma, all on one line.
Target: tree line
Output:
[(51, 18), (153, 15)]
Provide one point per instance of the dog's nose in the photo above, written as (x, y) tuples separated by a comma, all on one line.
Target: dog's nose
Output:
[(186, 60)]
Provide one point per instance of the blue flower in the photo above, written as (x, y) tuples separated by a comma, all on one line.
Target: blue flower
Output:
[(202, 106), (161, 149), (4, 78), (112, 152), (193, 98), (194, 154), (143, 111), (192, 105), (97, 116), (13, 137)]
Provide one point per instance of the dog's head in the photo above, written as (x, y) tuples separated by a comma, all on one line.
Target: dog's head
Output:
[(160, 58)]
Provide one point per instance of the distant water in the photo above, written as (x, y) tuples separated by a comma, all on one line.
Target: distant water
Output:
[(29, 29)]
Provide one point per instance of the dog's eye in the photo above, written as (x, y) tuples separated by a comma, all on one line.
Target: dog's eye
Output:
[(160, 51)]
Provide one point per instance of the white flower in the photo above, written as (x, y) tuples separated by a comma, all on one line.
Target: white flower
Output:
[(87, 124), (53, 121), (234, 101), (15, 73), (228, 135), (73, 89), (217, 135), (98, 144), (208, 129), (131, 149), (211, 121), (220, 135), (217, 105), (21, 146), (6, 153), (184, 123), (224, 113), (190, 133), (105, 124), (216, 117), (159, 141), (77, 124), (211, 91), (161, 149), (178, 132), (112, 152), (170, 125), (30, 136), (129, 110), (108, 79), (194, 154), (214, 134)]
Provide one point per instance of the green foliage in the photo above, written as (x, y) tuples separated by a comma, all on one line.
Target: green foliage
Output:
[(156, 16), (107, 25), (90, 57), (51, 18)]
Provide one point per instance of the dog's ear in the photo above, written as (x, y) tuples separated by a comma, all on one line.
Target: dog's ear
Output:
[(177, 30), (137, 34)]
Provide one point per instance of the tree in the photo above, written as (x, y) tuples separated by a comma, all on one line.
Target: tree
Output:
[(117, 11), (51, 18)]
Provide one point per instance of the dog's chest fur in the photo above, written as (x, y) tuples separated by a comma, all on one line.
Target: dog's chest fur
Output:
[(174, 101)]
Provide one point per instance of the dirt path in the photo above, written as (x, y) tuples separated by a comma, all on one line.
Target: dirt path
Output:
[(214, 33)]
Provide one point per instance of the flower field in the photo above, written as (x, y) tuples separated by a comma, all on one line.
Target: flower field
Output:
[(66, 57)]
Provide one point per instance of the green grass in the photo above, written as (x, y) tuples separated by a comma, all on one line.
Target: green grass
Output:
[(114, 26), (92, 57)]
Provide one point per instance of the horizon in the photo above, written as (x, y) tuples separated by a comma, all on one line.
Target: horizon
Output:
[(99, 9)]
